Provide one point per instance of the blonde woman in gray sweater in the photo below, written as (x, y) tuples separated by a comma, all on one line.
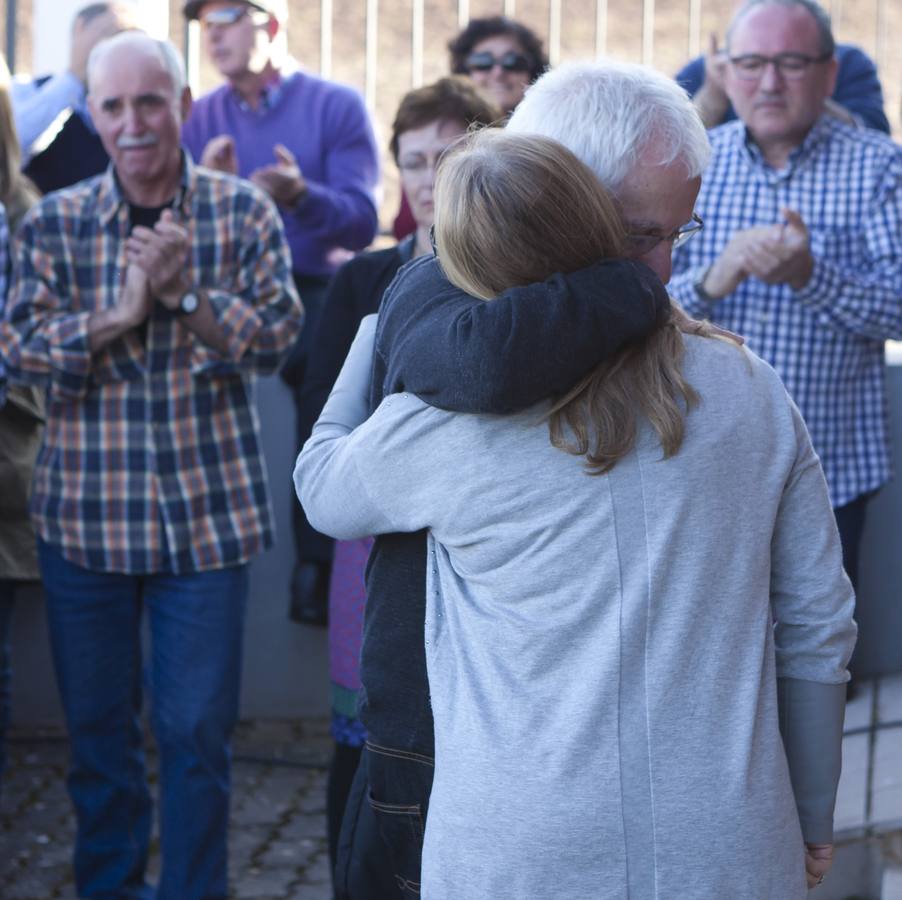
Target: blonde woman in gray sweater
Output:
[(620, 585)]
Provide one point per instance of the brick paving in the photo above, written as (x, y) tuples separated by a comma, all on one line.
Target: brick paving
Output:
[(277, 836)]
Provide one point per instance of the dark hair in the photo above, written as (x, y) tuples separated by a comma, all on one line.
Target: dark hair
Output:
[(478, 30), (450, 99), (92, 11)]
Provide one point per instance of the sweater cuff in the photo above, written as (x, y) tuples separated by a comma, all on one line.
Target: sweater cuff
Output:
[(811, 722)]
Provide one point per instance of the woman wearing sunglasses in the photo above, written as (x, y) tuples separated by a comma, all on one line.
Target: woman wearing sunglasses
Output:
[(632, 590), (502, 57)]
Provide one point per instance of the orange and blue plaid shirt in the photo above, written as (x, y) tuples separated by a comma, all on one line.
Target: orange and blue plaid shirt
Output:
[(151, 460)]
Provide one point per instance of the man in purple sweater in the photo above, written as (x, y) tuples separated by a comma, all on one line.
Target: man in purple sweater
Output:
[(309, 144)]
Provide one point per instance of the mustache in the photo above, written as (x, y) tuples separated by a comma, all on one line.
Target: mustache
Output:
[(127, 142)]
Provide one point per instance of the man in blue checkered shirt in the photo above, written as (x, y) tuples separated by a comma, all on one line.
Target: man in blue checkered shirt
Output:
[(802, 247)]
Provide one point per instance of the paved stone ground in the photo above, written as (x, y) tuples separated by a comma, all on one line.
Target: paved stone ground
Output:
[(277, 837)]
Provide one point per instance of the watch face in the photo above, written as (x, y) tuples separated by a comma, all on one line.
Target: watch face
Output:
[(189, 304)]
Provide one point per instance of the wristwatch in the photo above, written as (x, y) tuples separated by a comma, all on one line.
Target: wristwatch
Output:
[(188, 304), (699, 287)]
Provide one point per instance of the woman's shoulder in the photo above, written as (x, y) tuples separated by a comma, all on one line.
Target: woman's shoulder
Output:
[(713, 357), (721, 368)]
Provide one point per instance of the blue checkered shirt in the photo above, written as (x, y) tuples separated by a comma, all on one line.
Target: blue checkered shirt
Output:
[(826, 341), (151, 458)]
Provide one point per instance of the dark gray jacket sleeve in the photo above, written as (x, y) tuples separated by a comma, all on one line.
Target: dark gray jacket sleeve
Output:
[(468, 355), (811, 722)]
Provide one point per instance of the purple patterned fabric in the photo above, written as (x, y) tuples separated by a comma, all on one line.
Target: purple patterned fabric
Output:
[(347, 596)]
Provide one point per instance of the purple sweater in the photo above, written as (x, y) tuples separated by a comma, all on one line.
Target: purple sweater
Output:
[(326, 126)]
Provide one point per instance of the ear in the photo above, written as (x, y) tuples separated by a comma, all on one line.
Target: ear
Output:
[(832, 70), (185, 103), (272, 27)]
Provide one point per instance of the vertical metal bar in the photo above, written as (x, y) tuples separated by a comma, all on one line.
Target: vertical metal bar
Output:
[(510, 8), (191, 50), (882, 36), (836, 14), (601, 27), (372, 39), (648, 31), (416, 39), (554, 32), (463, 13), (11, 35), (695, 28), (325, 38)]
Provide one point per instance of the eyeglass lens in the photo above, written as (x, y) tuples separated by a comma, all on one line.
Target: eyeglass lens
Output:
[(789, 65)]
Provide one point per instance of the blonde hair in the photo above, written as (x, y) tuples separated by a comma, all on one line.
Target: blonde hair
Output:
[(513, 209), (17, 193)]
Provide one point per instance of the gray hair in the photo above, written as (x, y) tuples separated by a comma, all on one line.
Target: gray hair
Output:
[(92, 11), (609, 114), (812, 7), (140, 43)]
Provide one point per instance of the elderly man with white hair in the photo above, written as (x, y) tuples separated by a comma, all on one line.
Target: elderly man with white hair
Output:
[(642, 138), (145, 300)]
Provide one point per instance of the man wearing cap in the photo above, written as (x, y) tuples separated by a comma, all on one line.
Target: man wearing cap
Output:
[(145, 302), (309, 144)]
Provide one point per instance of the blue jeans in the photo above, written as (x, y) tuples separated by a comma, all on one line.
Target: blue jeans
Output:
[(193, 677), (7, 596), (382, 831)]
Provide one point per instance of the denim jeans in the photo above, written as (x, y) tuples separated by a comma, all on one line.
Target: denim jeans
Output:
[(384, 835), (850, 521), (193, 678), (363, 867), (7, 597)]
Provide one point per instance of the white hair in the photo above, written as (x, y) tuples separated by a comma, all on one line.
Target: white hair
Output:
[(609, 114), (140, 43)]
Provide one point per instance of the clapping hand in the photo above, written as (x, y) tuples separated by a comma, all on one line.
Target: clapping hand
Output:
[(282, 180), (162, 253)]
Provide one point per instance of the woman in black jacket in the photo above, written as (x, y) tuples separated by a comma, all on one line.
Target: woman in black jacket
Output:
[(428, 121)]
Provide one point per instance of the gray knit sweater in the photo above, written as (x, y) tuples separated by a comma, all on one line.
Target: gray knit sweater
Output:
[(602, 653)]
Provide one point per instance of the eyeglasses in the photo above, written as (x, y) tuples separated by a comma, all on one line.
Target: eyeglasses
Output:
[(791, 66), (645, 243), (485, 61), (420, 163), (224, 16)]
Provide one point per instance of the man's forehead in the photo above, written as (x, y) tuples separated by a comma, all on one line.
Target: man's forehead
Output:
[(125, 72), (773, 27)]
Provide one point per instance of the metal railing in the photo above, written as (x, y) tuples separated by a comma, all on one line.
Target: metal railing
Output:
[(884, 14)]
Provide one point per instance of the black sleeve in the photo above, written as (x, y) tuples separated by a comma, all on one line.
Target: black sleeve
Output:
[(337, 326), (354, 292), (532, 342)]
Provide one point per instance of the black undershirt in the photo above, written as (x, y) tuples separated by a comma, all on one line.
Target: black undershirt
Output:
[(147, 217)]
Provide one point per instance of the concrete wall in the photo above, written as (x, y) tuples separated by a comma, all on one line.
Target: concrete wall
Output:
[(879, 609), (285, 672)]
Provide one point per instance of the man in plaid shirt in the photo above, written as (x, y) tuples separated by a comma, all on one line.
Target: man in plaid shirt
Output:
[(145, 300), (802, 247)]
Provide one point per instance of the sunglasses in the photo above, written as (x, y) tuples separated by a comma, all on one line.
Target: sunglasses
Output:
[(226, 15), (510, 62)]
